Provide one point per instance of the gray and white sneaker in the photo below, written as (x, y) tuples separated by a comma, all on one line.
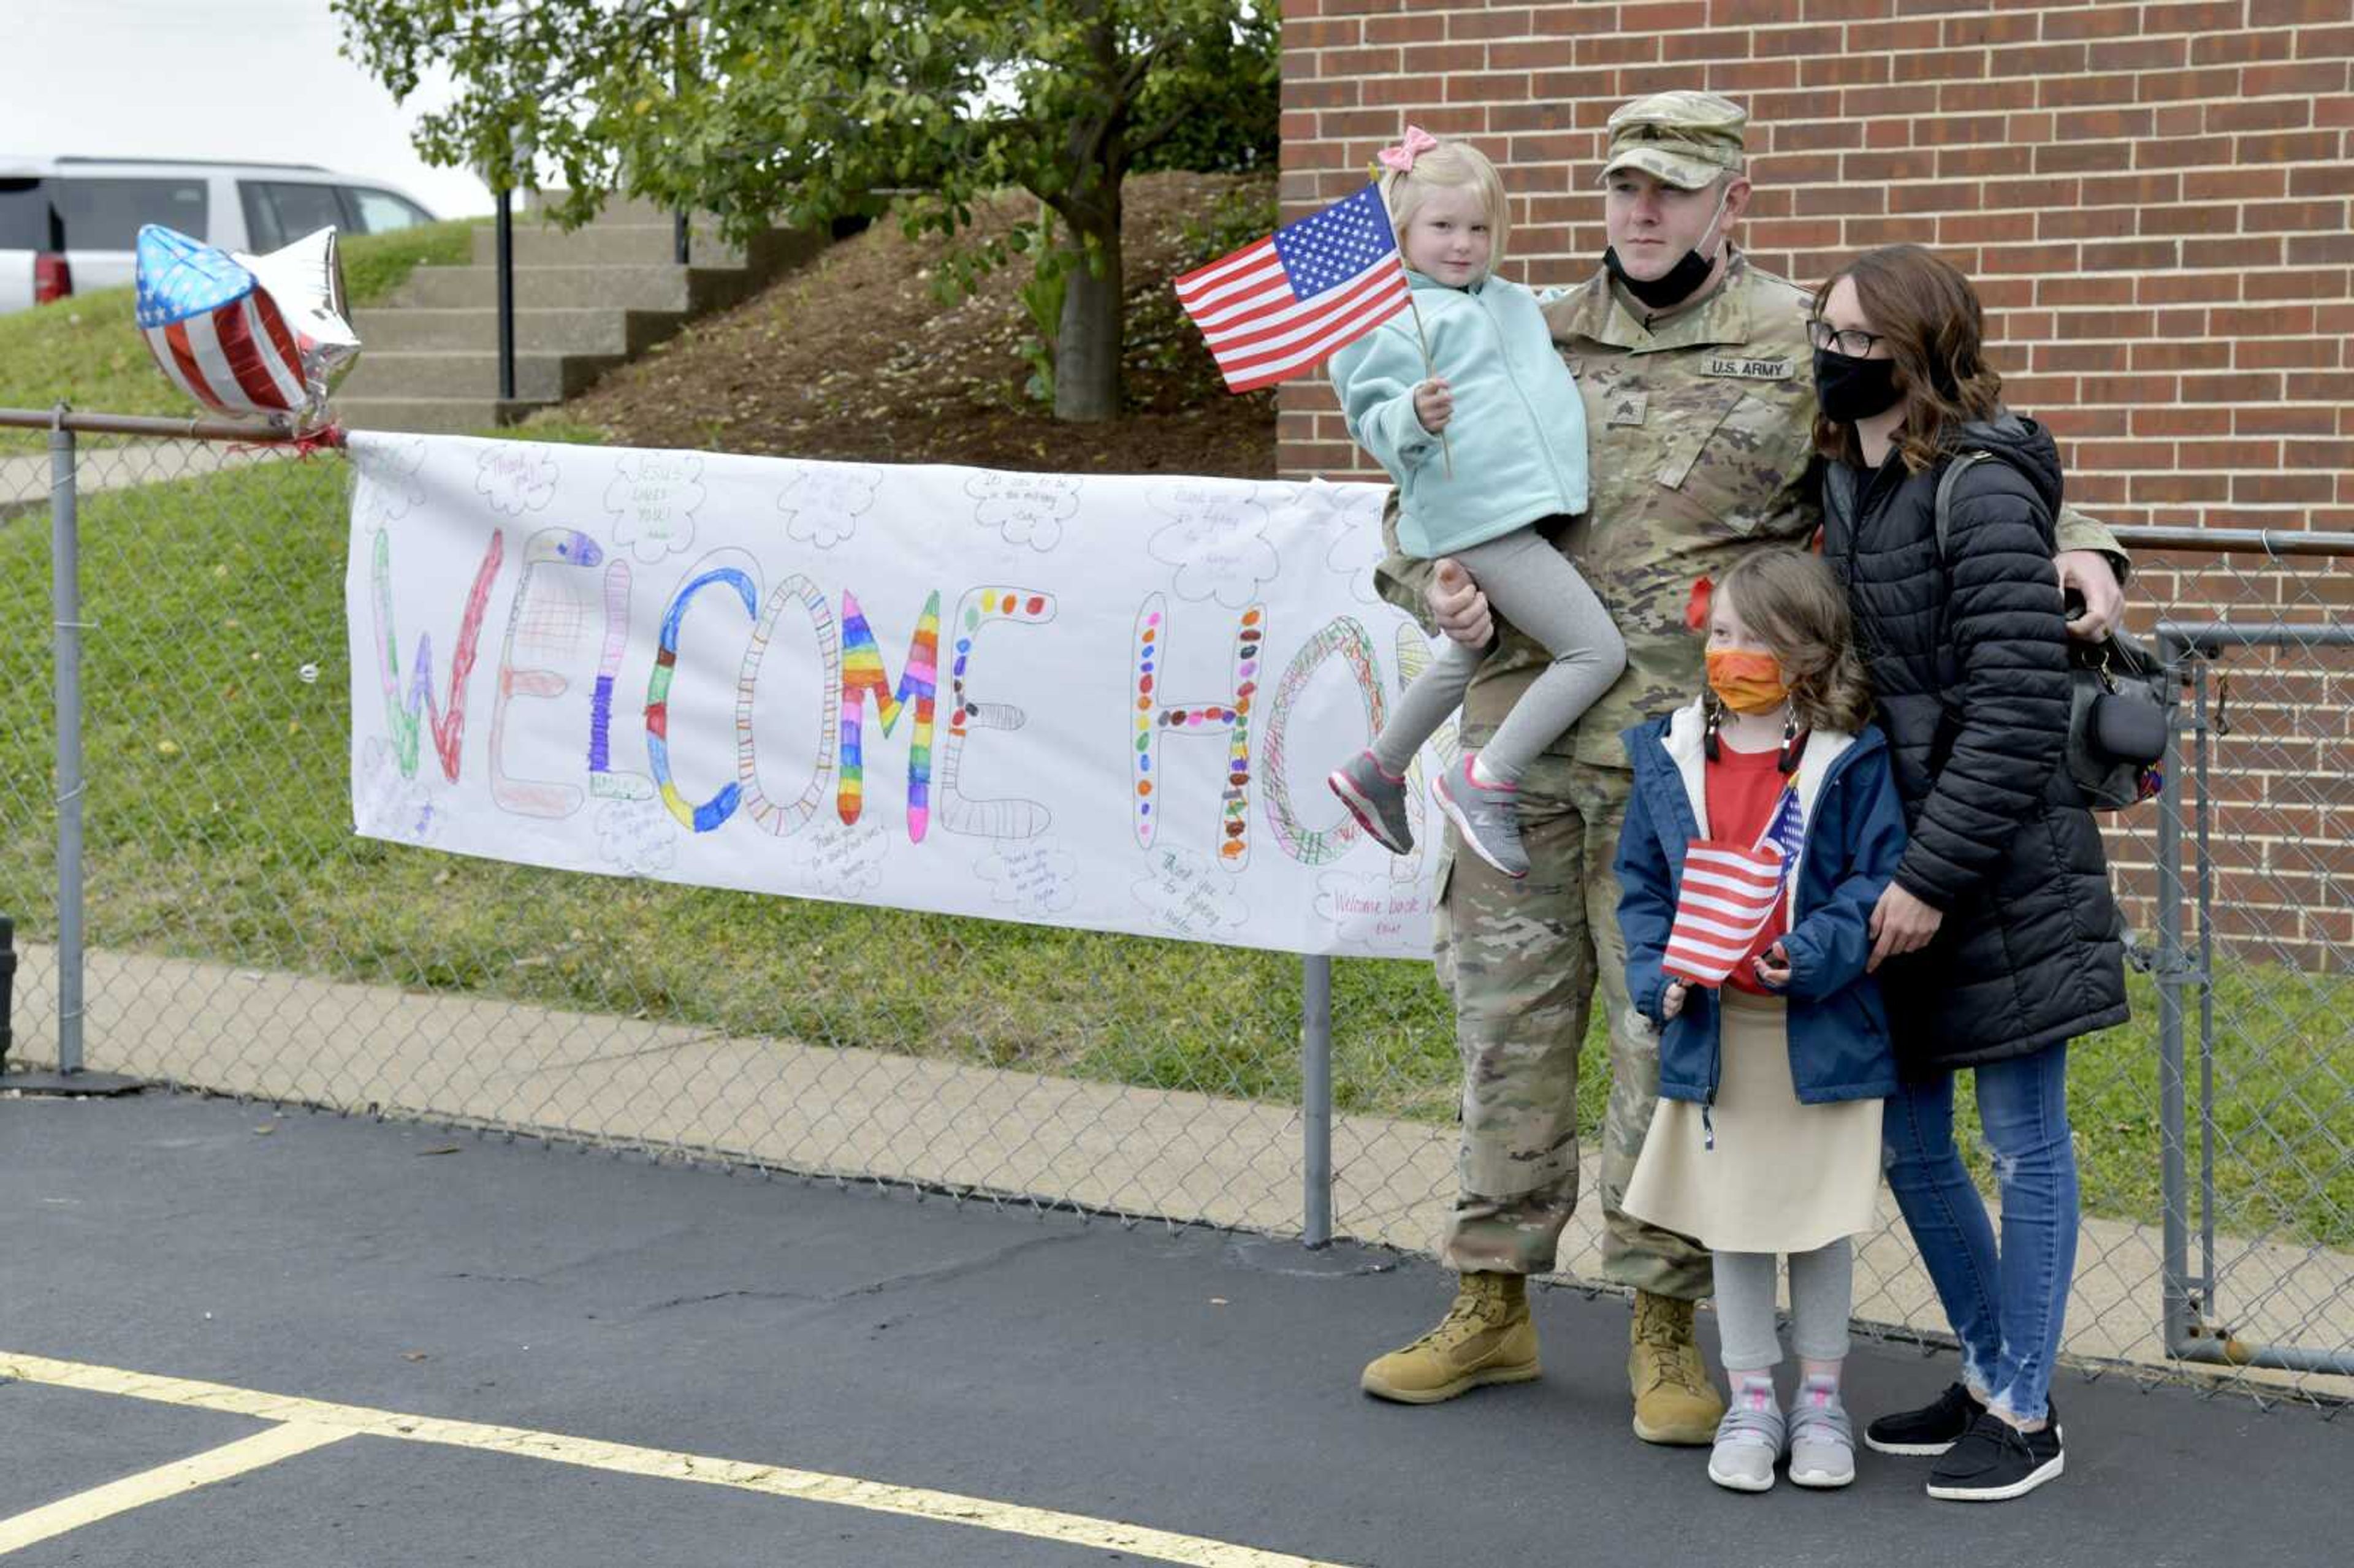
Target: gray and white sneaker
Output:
[(1748, 1441), (1376, 798), (1823, 1438), (1487, 815)]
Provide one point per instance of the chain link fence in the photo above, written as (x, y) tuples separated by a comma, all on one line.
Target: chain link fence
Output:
[(240, 938)]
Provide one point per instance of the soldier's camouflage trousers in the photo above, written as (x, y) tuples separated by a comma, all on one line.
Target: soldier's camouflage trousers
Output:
[(1522, 960)]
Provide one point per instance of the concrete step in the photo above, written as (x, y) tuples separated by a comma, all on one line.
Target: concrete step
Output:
[(606, 244), (432, 415), (547, 377), (691, 289), (617, 208), (604, 331)]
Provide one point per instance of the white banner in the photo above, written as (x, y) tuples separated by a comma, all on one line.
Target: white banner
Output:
[(1106, 703)]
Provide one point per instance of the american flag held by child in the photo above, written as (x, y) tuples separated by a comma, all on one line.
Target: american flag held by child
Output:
[(1728, 895), (1280, 306)]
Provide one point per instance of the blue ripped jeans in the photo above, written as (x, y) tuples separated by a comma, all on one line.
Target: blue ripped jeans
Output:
[(2005, 1307)]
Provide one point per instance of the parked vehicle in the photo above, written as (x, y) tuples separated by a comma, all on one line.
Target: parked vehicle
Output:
[(69, 224)]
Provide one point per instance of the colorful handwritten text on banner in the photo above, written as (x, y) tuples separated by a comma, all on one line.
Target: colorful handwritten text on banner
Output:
[(1097, 702)]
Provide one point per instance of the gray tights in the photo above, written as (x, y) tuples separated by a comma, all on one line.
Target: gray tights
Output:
[(1531, 585), (1822, 1283)]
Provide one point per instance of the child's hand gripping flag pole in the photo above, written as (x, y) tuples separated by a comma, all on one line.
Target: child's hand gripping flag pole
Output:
[(1281, 306), (1728, 897), (1446, 450)]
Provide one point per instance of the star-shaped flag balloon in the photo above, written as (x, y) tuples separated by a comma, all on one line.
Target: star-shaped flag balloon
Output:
[(247, 334)]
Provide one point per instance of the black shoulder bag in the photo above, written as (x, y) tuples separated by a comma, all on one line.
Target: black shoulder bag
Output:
[(2120, 699)]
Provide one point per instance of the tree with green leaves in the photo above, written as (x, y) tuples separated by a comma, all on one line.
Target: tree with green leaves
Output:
[(768, 113)]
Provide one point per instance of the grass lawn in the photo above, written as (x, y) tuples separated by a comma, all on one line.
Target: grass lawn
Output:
[(217, 827), (85, 348)]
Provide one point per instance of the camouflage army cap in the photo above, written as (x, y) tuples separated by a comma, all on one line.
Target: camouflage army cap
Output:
[(1686, 139)]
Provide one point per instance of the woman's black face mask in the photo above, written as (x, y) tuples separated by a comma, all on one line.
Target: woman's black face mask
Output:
[(1847, 389)]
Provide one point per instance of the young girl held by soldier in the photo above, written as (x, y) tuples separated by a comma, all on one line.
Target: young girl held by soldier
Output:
[(1465, 401)]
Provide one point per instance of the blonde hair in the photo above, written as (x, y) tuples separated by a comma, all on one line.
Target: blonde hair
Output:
[(1797, 605), (1454, 167)]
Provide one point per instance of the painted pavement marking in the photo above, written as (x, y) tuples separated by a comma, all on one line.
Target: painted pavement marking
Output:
[(265, 1448), (318, 1422)]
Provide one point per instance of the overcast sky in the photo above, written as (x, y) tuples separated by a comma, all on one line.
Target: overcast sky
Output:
[(239, 80)]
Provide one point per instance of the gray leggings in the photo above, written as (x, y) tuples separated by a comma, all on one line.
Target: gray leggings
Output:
[(1531, 585), (1821, 1284)]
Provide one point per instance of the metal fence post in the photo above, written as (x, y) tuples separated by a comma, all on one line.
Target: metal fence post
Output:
[(65, 603), (1316, 1099), (2178, 1317)]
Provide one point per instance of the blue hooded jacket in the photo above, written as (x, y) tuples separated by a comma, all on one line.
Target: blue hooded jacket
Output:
[(1839, 1047)]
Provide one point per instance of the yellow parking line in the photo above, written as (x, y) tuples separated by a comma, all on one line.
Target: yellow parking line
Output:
[(163, 1481), (807, 1486)]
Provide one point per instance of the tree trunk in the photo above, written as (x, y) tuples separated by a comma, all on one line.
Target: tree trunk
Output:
[(1086, 359), (1088, 356)]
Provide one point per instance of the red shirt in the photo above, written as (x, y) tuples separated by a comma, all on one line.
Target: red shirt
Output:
[(1741, 789)]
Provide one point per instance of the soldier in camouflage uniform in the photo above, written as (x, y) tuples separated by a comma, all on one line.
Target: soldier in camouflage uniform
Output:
[(1699, 413)]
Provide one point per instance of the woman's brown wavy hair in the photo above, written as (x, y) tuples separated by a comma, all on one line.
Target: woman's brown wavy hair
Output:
[(1936, 330), (1794, 603)]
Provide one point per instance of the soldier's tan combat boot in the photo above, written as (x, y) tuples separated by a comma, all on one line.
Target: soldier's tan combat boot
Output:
[(1674, 1400), (1486, 1336)]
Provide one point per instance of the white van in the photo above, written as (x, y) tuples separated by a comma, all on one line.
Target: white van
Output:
[(69, 224)]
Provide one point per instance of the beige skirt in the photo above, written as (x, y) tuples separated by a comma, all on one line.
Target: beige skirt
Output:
[(1783, 1177)]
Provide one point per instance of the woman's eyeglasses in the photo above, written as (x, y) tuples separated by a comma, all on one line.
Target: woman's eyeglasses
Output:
[(1853, 342)]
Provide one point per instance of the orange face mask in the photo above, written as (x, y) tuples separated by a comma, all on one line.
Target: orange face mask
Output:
[(1747, 680)]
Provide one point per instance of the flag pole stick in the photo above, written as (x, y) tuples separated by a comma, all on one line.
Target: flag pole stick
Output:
[(1446, 451)]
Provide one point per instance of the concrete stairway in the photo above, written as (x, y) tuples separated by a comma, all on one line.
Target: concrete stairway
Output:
[(584, 303)]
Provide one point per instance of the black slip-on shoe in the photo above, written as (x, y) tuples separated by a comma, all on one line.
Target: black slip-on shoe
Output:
[(1932, 1429), (1995, 1462)]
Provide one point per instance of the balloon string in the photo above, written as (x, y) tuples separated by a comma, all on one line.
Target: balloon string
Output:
[(327, 437)]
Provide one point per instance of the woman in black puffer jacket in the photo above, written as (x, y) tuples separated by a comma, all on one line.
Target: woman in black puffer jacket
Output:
[(1998, 943)]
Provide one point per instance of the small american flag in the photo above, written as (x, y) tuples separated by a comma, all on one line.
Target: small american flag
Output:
[(1278, 308), (1728, 897), (215, 332)]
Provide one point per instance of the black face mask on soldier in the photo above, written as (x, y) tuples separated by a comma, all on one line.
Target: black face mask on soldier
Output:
[(1679, 282), (1847, 388)]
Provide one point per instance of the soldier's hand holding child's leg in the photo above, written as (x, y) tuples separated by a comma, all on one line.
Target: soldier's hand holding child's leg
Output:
[(1457, 605)]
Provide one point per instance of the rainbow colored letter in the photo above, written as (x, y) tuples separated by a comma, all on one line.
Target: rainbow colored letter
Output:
[(863, 674)]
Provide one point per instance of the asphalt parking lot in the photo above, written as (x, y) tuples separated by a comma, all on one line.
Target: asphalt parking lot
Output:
[(244, 1336)]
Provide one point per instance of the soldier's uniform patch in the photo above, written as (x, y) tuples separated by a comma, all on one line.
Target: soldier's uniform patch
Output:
[(1748, 369), (1628, 407)]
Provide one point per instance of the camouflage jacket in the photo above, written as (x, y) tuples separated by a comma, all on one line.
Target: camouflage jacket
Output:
[(1701, 423)]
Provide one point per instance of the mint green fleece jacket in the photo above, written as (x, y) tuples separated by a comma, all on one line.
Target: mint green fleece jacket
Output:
[(1519, 430)]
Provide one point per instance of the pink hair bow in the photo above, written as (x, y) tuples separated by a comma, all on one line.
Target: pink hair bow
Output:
[(1402, 156)]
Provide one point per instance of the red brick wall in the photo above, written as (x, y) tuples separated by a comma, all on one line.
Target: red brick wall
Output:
[(2153, 198), (2154, 202)]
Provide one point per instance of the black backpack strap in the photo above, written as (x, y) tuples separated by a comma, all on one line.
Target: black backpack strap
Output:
[(1945, 482), (1837, 504)]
